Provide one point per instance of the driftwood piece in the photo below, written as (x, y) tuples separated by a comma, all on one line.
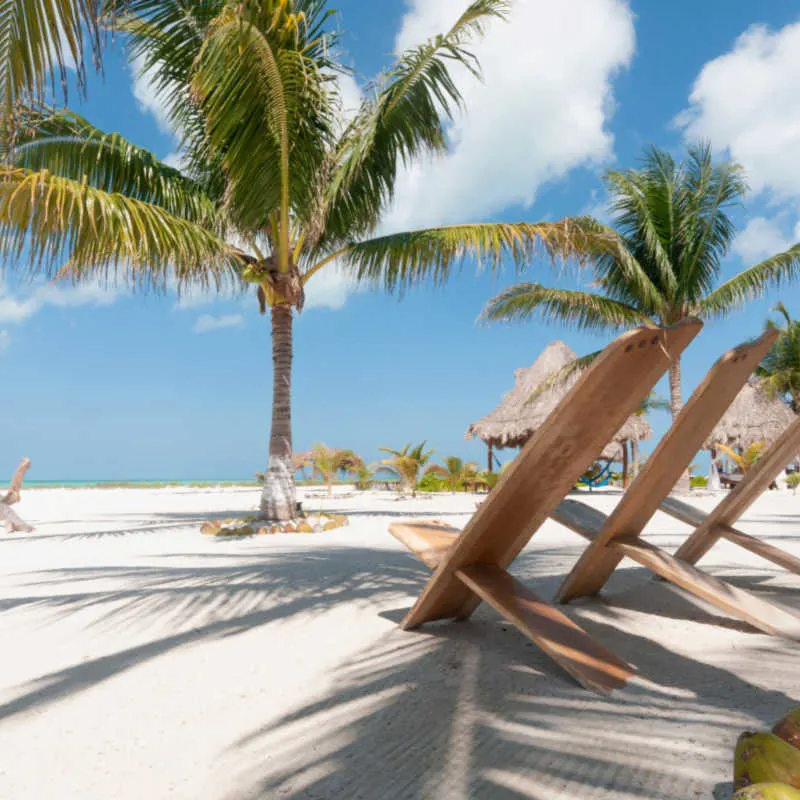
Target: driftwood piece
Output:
[(7, 514)]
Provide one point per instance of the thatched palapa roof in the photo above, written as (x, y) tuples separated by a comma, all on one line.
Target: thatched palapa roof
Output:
[(513, 422), (752, 417)]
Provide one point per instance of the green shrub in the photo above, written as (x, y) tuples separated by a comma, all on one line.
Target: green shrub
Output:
[(431, 483), (793, 481), (698, 482)]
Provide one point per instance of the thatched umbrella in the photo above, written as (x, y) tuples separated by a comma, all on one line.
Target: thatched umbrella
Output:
[(514, 421), (753, 416)]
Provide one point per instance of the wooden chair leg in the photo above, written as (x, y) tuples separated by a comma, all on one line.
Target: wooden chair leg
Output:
[(594, 666), (663, 470)]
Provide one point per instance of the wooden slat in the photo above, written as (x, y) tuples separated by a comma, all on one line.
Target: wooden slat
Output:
[(665, 466), (589, 662), (757, 480), (685, 512), (695, 517), (429, 541), (551, 462), (759, 613)]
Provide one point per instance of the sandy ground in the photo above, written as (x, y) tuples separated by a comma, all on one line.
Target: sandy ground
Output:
[(140, 659)]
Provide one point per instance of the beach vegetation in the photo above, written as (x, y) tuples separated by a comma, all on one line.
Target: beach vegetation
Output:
[(454, 472), (779, 372), (746, 459), (279, 180), (406, 464), (661, 260)]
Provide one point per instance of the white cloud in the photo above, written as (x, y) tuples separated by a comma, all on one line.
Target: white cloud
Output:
[(761, 238), (541, 111), (147, 98), (207, 322), (747, 101), (14, 309), (5, 339), (330, 288)]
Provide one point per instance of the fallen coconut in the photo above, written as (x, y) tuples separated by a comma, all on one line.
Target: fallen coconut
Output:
[(768, 791), (788, 728), (765, 758), (210, 528), (304, 527)]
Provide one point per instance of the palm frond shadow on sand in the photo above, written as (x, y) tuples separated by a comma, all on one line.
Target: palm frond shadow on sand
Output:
[(455, 711)]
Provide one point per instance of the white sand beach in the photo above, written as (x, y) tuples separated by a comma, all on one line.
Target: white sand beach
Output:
[(141, 659)]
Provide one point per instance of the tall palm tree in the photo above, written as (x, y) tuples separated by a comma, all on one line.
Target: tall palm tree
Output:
[(453, 470), (251, 90), (779, 372), (406, 464), (662, 261)]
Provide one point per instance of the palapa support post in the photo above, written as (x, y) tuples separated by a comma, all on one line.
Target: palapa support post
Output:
[(7, 514), (471, 566)]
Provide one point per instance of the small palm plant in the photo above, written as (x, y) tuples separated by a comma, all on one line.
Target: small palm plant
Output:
[(454, 472), (779, 372), (328, 461), (746, 460), (406, 464)]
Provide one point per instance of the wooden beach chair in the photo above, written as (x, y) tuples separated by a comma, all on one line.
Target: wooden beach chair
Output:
[(617, 535), (719, 524), (470, 565)]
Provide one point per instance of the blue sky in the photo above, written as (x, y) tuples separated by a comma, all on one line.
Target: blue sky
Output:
[(104, 384)]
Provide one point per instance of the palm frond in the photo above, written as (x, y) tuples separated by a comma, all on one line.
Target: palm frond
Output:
[(583, 310), (38, 39), (753, 282), (401, 261), (402, 118), (48, 220), (266, 105), (67, 145)]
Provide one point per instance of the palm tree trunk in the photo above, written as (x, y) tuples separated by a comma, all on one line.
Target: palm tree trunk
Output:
[(635, 456), (684, 484), (278, 498)]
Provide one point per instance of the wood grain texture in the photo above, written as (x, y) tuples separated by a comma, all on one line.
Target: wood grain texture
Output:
[(665, 466), (754, 483), (695, 517), (594, 666), (763, 615), (429, 541), (551, 462)]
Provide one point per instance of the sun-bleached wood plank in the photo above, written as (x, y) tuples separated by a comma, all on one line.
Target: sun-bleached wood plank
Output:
[(551, 462), (761, 614), (594, 666), (429, 541), (754, 483), (664, 467), (695, 517)]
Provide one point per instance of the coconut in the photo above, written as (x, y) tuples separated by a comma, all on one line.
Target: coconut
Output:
[(788, 728), (764, 758)]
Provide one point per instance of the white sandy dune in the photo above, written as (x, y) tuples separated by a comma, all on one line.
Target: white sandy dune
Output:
[(140, 659)]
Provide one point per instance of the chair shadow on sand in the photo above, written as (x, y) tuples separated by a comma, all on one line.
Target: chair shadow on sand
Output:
[(466, 710)]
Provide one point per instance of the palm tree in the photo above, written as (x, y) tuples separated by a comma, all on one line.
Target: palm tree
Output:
[(453, 471), (406, 464), (251, 91), (662, 261), (779, 372), (327, 461), (747, 459)]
